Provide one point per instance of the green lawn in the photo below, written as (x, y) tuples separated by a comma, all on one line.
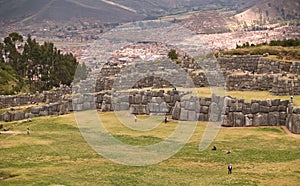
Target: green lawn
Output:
[(55, 153)]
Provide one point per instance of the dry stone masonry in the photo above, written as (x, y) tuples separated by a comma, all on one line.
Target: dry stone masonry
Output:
[(106, 89)]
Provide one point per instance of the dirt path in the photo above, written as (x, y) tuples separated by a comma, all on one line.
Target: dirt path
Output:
[(290, 133), (12, 132)]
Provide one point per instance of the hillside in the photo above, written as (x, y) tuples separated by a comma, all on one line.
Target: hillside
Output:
[(88, 19), (32, 11), (269, 12), (209, 22), (260, 14), (28, 11)]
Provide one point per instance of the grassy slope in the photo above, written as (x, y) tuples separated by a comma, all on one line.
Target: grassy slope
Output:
[(282, 53), (8, 78), (55, 153)]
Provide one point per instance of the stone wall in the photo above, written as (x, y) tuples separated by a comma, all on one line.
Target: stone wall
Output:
[(104, 83), (269, 66), (249, 82), (243, 63), (286, 86), (257, 113), (37, 111), (274, 83), (229, 111), (274, 112), (293, 119), (295, 68), (56, 94), (18, 100), (236, 71), (109, 71), (208, 78), (260, 64)]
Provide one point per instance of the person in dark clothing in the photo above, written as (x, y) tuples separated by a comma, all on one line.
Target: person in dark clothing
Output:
[(214, 148), (166, 119), (253, 71), (229, 169)]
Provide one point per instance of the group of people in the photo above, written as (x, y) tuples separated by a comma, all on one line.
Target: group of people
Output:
[(214, 148)]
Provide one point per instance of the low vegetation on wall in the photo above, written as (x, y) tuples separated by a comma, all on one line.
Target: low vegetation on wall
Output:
[(282, 49)]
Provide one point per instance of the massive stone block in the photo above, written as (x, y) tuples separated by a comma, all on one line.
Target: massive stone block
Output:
[(183, 114), (296, 110), (260, 119), (264, 109), (214, 112), (19, 115), (35, 110), (86, 105), (239, 119), (249, 120), (273, 119), (192, 116), (176, 111), (254, 108), (44, 113), (295, 126), (8, 116), (138, 99)]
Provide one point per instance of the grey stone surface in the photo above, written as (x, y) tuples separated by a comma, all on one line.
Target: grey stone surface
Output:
[(255, 108), (183, 114), (274, 119), (19, 115), (214, 112), (239, 119), (260, 119)]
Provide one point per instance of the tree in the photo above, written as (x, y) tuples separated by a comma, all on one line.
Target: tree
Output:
[(40, 66), (81, 72), (11, 50), (173, 55), (1, 53)]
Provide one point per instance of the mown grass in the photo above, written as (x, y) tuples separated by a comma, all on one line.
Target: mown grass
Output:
[(55, 153)]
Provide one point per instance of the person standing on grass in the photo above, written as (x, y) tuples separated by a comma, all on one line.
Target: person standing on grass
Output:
[(135, 118), (229, 169), (28, 131)]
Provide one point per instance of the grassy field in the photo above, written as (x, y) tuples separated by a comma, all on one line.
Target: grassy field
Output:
[(55, 153)]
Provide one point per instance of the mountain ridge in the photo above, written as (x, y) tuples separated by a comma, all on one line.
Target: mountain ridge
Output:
[(105, 10)]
